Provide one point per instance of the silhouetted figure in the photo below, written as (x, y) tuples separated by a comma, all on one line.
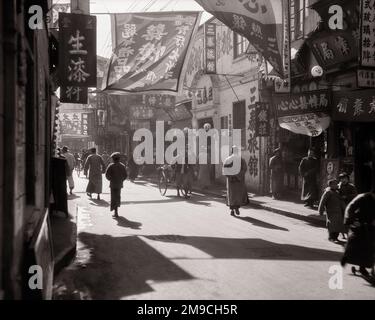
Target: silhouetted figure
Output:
[(309, 169)]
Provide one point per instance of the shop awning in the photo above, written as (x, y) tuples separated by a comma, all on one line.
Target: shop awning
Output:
[(306, 113), (354, 106)]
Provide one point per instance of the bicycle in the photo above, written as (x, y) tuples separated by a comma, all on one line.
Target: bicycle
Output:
[(166, 176)]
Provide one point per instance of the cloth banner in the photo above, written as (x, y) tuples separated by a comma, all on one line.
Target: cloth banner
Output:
[(310, 124), (151, 51), (260, 21)]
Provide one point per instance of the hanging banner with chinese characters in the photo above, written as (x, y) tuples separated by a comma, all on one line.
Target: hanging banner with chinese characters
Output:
[(353, 106), (73, 95), (210, 47), (367, 33), (77, 50), (333, 48), (284, 86), (260, 21), (305, 113), (262, 120), (151, 51)]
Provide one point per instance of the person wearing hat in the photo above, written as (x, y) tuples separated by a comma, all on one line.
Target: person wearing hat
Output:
[(309, 170), (116, 174), (347, 190), (71, 163), (277, 174)]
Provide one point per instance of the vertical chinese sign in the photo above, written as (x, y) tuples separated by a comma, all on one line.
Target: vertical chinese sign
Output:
[(77, 50), (73, 95), (262, 120), (151, 51), (365, 74), (284, 85), (210, 47)]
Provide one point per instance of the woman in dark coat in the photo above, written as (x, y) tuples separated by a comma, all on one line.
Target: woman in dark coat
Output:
[(236, 186), (360, 217), (309, 169), (116, 174), (332, 203)]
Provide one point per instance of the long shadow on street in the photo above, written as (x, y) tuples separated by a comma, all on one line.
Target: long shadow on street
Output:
[(116, 267)]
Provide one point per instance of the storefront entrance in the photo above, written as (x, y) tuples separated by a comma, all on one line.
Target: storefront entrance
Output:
[(364, 146)]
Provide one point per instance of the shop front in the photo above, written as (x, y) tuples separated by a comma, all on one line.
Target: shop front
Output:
[(302, 119), (354, 116)]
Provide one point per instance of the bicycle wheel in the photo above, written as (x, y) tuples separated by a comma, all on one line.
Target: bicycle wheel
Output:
[(163, 183)]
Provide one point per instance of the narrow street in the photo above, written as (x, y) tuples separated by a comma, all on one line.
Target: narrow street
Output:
[(171, 248)]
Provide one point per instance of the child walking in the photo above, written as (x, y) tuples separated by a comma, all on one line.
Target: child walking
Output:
[(332, 203), (116, 174)]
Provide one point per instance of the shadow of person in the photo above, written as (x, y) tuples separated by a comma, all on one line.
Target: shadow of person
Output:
[(73, 196), (125, 223), (99, 203), (261, 224)]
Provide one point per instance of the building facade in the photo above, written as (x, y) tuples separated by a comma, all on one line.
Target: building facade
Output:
[(27, 108)]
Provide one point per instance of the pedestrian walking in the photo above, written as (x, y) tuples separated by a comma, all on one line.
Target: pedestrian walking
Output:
[(309, 169), (71, 164), (360, 217), (347, 190), (334, 206), (277, 174), (236, 187), (116, 174), (94, 165)]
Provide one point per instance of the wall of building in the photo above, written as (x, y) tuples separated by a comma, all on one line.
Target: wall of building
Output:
[(25, 109), (227, 89)]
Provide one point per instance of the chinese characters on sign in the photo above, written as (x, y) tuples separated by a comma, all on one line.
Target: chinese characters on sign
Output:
[(85, 123), (210, 47), (77, 50), (359, 105), (333, 48), (313, 101), (366, 78), (284, 86), (71, 123), (260, 21), (305, 113), (150, 51), (262, 120), (142, 112), (367, 33), (73, 95)]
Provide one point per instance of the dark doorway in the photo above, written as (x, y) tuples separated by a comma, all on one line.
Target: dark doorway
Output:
[(364, 145)]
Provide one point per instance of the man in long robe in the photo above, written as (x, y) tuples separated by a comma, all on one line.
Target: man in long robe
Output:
[(277, 174), (236, 186), (309, 169), (95, 166)]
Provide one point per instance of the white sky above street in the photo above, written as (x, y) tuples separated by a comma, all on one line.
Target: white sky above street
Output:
[(99, 7)]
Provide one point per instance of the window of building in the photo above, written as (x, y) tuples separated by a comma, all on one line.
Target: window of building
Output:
[(224, 122), (298, 12), (239, 119), (240, 45)]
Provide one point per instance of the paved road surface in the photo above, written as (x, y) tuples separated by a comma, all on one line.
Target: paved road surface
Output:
[(169, 248)]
